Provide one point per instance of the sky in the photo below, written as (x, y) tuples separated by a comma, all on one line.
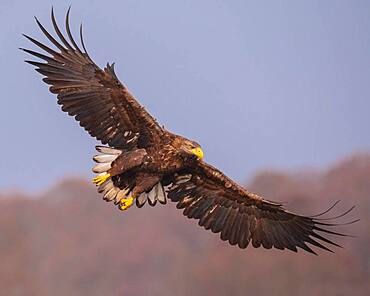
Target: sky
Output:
[(259, 84)]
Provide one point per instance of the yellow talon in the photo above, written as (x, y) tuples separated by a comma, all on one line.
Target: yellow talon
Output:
[(98, 180), (125, 203)]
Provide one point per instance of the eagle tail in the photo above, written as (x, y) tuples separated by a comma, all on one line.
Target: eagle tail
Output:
[(103, 180), (156, 194)]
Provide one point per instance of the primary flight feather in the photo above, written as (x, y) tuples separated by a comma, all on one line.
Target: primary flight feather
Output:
[(143, 162)]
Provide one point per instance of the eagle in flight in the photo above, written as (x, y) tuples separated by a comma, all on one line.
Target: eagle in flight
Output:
[(143, 162)]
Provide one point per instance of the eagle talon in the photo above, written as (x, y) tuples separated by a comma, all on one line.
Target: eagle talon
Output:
[(98, 180), (125, 203)]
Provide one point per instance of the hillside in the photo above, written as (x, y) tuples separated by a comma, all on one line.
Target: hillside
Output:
[(68, 241)]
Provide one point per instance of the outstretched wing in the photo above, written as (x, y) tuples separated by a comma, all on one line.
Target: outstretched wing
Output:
[(97, 99), (242, 217)]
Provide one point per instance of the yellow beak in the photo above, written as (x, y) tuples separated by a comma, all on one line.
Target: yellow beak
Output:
[(198, 152)]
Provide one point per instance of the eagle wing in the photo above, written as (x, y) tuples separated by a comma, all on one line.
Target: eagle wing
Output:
[(242, 217), (95, 97)]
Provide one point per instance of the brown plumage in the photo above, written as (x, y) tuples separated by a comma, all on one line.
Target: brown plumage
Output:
[(145, 162)]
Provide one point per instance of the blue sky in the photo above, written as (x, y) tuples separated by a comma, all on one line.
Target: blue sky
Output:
[(260, 84)]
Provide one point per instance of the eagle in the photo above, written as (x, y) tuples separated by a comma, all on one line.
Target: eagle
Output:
[(139, 161)]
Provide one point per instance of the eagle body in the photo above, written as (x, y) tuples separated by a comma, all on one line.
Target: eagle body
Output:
[(143, 168), (143, 162)]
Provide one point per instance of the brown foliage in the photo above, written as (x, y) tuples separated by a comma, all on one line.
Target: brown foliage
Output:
[(70, 242)]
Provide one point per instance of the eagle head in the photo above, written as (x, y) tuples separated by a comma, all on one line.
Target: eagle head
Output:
[(191, 149)]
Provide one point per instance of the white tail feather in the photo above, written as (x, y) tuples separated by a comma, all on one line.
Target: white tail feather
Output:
[(101, 168), (161, 195), (124, 193), (141, 200), (111, 194), (102, 158), (156, 194), (121, 194), (105, 159), (152, 196), (106, 186), (108, 150)]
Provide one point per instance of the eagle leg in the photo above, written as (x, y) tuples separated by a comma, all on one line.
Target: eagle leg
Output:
[(126, 203), (100, 179), (144, 183)]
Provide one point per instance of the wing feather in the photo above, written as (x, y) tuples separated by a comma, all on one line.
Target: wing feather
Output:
[(95, 97), (242, 217)]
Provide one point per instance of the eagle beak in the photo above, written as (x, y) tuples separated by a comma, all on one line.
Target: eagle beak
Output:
[(198, 152)]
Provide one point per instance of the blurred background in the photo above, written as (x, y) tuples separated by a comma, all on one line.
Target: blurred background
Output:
[(276, 92)]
